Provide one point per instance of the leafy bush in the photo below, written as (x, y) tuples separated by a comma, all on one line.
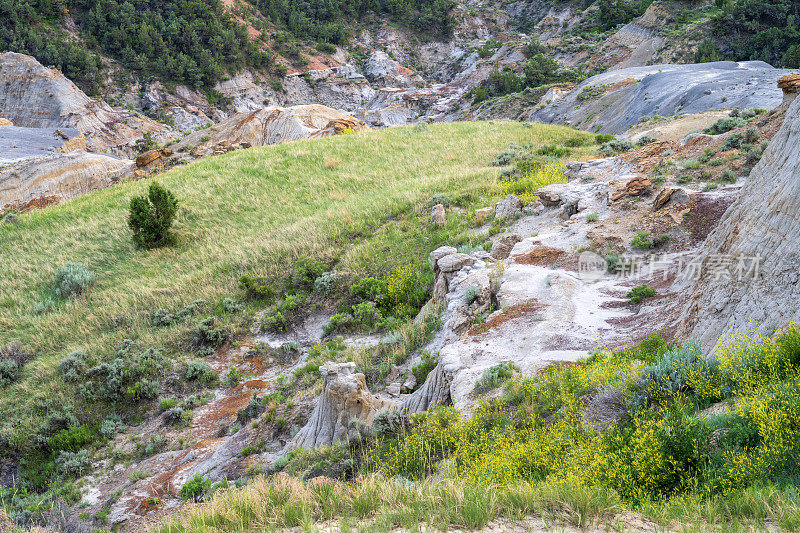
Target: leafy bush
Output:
[(306, 271), (642, 241), (644, 140), (616, 146), (326, 283), (200, 371), (257, 287), (151, 216), (195, 488), (427, 363), (208, 333), (640, 292), (73, 279), (9, 372), (111, 426), (73, 366), (74, 464)]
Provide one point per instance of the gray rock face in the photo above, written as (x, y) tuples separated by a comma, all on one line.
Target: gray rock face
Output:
[(628, 94), (381, 69), (763, 222), (22, 143)]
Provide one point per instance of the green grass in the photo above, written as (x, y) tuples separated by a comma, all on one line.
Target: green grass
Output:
[(359, 199)]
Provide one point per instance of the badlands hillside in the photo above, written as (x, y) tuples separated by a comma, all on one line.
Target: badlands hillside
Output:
[(377, 266)]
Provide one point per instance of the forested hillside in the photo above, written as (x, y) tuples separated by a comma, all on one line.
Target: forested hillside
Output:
[(188, 41)]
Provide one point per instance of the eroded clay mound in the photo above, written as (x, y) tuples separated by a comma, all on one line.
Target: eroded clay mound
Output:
[(51, 179), (34, 96), (270, 125), (615, 100)]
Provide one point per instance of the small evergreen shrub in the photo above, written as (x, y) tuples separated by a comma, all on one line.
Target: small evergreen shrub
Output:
[(151, 216), (641, 292), (200, 371), (257, 288), (73, 464), (73, 279), (644, 140), (9, 372)]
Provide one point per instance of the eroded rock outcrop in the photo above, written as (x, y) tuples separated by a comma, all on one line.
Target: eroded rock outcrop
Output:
[(51, 179), (613, 101), (271, 125), (345, 397), (749, 262), (35, 96)]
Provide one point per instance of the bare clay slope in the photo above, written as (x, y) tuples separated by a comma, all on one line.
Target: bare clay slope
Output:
[(764, 221)]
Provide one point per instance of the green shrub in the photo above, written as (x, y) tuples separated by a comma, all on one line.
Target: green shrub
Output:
[(151, 216), (306, 271), (111, 425), (200, 371), (729, 176), (644, 140), (494, 376), (74, 464), (616, 146), (326, 283), (725, 125), (602, 138), (9, 372), (641, 292), (257, 288), (554, 150), (642, 241), (208, 333), (591, 217), (427, 363), (73, 366), (195, 488), (73, 279)]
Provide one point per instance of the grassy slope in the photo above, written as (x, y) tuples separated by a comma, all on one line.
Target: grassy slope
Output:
[(251, 212)]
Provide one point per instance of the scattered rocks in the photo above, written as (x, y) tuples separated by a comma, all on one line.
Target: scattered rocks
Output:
[(508, 208), (437, 214)]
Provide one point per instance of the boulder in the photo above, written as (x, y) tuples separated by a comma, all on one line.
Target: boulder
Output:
[(345, 397), (454, 262), (670, 195), (437, 214), (5, 122), (638, 186), (508, 208), (483, 214), (384, 71), (501, 249)]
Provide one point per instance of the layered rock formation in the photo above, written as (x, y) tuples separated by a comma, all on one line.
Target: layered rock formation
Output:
[(47, 180), (748, 266), (344, 398), (35, 96), (270, 125)]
